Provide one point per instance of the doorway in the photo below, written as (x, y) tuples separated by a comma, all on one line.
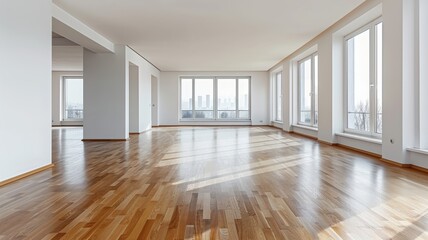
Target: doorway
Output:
[(155, 108)]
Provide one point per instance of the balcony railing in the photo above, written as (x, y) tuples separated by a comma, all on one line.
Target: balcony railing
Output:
[(73, 114), (361, 121)]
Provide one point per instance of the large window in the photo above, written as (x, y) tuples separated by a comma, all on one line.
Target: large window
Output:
[(277, 96), (308, 90), (364, 80), (215, 98), (73, 98)]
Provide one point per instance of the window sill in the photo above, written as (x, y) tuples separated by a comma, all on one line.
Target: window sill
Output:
[(278, 122), (418, 150), (306, 127), (360, 138)]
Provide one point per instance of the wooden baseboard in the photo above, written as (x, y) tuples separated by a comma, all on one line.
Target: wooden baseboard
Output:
[(417, 168), (327, 143), (27, 174), (104, 140), (138, 133), (359, 150), (275, 127), (304, 135), (397, 164)]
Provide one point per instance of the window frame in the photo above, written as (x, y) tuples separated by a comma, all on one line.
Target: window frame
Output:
[(215, 99), (64, 99), (373, 81), (313, 90)]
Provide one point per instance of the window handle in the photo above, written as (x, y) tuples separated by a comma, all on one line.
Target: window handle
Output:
[(371, 85)]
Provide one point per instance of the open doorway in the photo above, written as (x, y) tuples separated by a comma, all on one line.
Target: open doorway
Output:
[(134, 110), (67, 82), (155, 108)]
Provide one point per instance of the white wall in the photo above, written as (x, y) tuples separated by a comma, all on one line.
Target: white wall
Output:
[(169, 97), (25, 86), (57, 94), (67, 58), (400, 76), (146, 71)]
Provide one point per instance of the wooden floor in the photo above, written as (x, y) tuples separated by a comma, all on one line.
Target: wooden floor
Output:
[(213, 183)]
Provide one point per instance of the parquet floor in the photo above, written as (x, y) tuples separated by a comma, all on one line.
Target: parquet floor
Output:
[(213, 183)]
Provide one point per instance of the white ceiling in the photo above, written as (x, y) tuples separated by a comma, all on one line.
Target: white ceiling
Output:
[(210, 35)]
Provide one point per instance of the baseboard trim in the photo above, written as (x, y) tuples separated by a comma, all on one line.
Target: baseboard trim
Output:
[(359, 150), (27, 174), (327, 143), (104, 140), (304, 135), (397, 164), (275, 127), (418, 168), (138, 133)]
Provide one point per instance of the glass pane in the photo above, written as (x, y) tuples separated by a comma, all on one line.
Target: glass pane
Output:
[(278, 86), (73, 98), (204, 89), (316, 89), (226, 94), (358, 50), (186, 94), (244, 93), (244, 114), (226, 114), (305, 75), (379, 78), (204, 114)]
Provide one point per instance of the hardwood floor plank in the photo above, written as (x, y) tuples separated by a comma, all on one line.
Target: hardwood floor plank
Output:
[(213, 183)]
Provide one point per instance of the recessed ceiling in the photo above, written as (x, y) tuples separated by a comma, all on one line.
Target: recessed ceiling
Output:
[(210, 35)]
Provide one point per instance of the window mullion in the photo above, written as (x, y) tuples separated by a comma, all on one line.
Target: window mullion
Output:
[(237, 98), (276, 97), (215, 100), (193, 99), (299, 92)]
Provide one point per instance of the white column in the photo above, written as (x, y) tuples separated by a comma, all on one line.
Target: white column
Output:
[(287, 96), (106, 95), (398, 79)]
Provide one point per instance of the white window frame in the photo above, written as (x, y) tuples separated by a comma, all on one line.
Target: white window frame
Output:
[(215, 99), (313, 95), (64, 97), (372, 82), (277, 100)]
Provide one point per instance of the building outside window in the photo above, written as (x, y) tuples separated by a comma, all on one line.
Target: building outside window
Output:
[(73, 98), (363, 91), (215, 98)]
